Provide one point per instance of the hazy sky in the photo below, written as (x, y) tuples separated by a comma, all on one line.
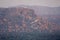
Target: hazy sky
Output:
[(50, 3)]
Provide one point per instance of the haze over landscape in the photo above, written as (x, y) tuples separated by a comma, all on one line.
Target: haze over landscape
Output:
[(29, 20), (30, 23)]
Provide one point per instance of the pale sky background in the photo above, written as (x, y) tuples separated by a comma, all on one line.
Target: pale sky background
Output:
[(10, 3)]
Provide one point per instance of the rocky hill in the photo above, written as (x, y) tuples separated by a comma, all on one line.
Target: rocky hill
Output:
[(21, 20)]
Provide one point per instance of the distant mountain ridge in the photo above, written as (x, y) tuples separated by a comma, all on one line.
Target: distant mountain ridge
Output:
[(44, 10)]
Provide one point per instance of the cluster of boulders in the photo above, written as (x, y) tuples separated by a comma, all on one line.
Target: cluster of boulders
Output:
[(23, 19)]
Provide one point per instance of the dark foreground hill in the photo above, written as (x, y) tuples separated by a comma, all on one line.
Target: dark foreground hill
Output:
[(24, 24)]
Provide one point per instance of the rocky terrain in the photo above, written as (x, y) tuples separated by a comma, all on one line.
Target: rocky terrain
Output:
[(23, 24)]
